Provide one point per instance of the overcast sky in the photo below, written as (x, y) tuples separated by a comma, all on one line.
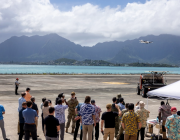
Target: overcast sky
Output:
[(88, 22)]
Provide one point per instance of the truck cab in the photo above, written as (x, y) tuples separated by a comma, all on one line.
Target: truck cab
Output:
[(150, 81)]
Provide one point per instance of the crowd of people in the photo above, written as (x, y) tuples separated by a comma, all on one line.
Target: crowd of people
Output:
[(121, 120)]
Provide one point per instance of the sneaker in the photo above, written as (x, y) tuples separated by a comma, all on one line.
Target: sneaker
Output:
[(7, 139)]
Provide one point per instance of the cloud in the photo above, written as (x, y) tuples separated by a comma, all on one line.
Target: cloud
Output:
[(89, 24)]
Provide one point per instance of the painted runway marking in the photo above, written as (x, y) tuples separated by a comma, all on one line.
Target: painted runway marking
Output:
[(115, 83)]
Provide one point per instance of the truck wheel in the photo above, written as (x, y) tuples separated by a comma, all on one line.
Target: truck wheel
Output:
[(144, 94), (138, 90)]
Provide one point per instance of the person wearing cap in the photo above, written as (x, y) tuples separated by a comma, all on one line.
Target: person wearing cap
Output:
[(97, 117), (16, 86), (164, 112), (72, 103), (118, 97), (108, 122), (143, 115), (173, 125), (28, 95), (131, 123)]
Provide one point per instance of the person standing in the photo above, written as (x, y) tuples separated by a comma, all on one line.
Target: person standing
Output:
[(120, 104), (77, 118), (60, 115), (143, 115), (131, 123), (121, 135), (30, 115), (50, 102), (97, 117), (87, 113), (45, 109), (21, 120), (108, 122), (72, 103), (21, 100), (164, 112), (2, 112), (60, 96), (42, 104), (173, 125), (35, 107), (28, 95), (51, 126), (16, 86), (118, 98), (115, 108), (178, 113), (137, 106)]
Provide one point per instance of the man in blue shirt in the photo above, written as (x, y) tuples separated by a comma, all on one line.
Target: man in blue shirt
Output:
[(120, 104), (21, 120), (21, 100), (77, 109), (2, 111), (30, 115), (87, 113)]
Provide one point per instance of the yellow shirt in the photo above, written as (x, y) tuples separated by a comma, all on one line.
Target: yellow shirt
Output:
[(131, 120), (28, 96)]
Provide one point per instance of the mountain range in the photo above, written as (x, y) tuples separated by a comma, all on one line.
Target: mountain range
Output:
[(164, 49)]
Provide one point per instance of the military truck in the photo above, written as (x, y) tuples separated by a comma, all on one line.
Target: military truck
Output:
[(150, 81)]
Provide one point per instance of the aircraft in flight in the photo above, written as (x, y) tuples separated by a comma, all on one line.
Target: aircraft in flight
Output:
[(145, 42)]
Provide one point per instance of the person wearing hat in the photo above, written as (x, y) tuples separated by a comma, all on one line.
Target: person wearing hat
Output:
[(108, 122), (16, 86), (72, 102), (143, 115), (173, 125), (97, 117), (118, 98)]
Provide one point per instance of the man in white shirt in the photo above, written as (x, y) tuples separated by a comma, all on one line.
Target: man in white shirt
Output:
[(16, 86), (60, 115)]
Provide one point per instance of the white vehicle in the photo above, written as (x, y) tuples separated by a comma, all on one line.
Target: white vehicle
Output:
[(145, 42)]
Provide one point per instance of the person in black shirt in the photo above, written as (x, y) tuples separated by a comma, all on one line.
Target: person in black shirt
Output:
[(108, 118), (34, 106), (51, 125), (21, 120)]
